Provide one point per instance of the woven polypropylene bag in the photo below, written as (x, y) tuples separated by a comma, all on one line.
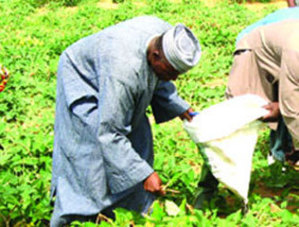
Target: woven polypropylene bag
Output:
[(228, 133)]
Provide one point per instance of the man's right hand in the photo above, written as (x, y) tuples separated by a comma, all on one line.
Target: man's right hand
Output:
[(274, 112), (153, 184)]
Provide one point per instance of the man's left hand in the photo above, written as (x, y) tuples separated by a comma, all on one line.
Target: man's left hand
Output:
[(153, 184)]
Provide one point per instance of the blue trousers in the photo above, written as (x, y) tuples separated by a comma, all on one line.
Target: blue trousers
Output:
[(280, 141)]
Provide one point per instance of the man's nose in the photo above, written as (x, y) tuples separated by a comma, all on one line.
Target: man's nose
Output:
[(174, 77)]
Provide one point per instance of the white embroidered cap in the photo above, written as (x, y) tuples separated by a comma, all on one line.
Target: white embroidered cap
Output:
[(181, 48)]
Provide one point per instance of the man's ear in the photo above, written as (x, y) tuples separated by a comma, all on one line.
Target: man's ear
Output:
[(157, 55)]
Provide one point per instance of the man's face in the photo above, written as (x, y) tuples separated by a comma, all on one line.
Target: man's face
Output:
[(164, 70)]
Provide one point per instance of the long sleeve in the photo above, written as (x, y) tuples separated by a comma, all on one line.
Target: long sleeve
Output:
[(123, 165), (166, 102)]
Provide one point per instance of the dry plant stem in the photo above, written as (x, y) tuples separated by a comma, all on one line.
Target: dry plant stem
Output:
[(102, 217)]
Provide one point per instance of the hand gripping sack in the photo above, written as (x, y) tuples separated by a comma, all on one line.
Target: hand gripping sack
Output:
[(228, 133)]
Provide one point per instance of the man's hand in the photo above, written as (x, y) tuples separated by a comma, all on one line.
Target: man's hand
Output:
[(274, 112), (186, 115), (153, 184)]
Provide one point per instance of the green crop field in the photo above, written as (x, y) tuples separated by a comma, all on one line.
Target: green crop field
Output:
[(33, 34)]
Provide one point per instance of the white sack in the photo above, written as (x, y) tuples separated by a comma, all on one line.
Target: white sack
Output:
[(228, 132)]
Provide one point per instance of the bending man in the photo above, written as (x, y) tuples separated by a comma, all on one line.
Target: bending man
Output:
[(103, 149), (265, 63)]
